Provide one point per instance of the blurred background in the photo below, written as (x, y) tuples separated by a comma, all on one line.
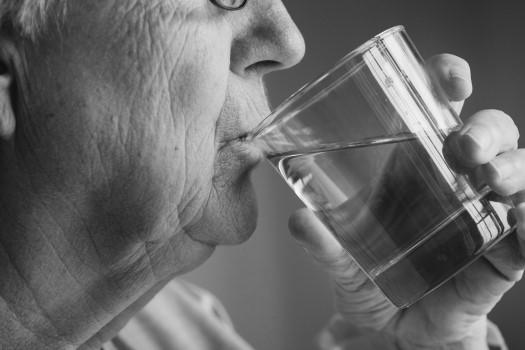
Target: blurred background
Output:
[(277, 297)]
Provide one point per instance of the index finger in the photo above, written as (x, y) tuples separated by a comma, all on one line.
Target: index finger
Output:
[(453, 75)]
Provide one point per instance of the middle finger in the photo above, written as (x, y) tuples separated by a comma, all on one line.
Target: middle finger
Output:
[(483, 136)]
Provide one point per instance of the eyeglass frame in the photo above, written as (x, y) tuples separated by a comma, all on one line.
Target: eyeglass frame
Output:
[(228, 8)]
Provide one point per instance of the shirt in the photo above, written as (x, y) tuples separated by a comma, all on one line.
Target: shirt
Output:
[(185, 317)]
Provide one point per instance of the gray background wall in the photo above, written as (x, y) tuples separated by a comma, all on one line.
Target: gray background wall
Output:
[(277, 297)]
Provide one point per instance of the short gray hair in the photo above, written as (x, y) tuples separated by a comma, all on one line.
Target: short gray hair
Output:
[(27, 17)]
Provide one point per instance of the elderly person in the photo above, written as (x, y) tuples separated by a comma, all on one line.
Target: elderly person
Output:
[(123, 165)]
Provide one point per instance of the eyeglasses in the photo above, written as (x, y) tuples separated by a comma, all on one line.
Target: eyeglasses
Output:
[(230, 5)]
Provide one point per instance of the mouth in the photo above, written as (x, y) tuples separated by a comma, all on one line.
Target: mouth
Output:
[(241, 138), (242, 112), (244, 148), (238, 156)]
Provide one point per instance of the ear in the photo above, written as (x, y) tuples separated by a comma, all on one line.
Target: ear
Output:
[(7, 76)]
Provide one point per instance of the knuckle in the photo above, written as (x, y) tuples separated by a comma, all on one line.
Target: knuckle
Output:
[(521, 159), (508, 191), (500, 124), (510, 261), (514, 265), (518, 166), (466, 290), (506, 121), (505, 186)]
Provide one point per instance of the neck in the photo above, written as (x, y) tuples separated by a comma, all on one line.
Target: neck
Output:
[(69, 270)]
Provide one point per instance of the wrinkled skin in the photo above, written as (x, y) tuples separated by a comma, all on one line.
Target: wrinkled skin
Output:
[(126, 167)]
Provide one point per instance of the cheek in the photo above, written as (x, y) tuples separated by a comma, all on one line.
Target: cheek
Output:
[(198, 87), (138, 108), (169, 82), (180, 128), (172, 66)]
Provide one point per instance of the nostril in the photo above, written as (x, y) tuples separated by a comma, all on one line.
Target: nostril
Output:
[(4, 69), (264, 66)]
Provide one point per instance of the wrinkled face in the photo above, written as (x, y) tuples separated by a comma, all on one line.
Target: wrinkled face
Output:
[(139, 108)]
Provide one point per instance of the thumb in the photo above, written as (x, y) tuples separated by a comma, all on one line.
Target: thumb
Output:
[(358, 300), (315, 238)]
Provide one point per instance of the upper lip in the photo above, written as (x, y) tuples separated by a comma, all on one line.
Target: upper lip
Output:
[(241, 150), (241, 116), (243, 134)]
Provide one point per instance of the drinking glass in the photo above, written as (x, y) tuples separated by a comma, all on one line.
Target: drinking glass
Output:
[(362, 146)]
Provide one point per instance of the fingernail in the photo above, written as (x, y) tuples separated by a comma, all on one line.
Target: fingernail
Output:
[(457, 75), (460, 72), (476, 137)]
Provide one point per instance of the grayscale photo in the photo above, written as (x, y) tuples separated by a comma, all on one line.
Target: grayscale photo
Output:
[(262, 174)]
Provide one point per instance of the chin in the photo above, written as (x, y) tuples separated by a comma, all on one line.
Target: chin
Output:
[(230, 218)]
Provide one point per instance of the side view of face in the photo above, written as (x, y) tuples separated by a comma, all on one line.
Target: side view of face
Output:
[(131, 117), (127, 165)]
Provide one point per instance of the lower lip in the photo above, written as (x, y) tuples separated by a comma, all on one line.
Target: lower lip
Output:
[(244, 153)]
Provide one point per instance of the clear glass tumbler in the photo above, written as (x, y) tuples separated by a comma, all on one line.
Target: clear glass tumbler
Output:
[(362, 146)]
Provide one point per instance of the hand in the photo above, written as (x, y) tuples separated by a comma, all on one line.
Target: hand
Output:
[(455, 314)]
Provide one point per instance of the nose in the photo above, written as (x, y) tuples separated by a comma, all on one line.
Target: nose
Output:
[(266, 39)]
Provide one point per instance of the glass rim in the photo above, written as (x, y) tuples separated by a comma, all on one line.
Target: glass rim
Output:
[(361, 49)]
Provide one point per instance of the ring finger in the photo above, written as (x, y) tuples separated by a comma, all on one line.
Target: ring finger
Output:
[(505, 173)]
